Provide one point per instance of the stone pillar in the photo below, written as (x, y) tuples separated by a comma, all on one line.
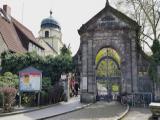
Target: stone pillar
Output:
[(127, 68), (87, 80), (84, 82), (84, 75), (134, 64), (91, 78)]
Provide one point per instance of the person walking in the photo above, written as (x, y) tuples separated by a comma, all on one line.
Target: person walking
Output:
[(72, 88), (76, 86)]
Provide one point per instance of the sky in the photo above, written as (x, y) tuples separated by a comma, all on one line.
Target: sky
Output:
[(71, 14)]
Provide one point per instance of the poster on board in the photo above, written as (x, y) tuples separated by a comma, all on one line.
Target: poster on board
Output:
[(30, 81)]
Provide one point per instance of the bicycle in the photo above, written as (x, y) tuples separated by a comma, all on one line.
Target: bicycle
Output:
[(127, 99)]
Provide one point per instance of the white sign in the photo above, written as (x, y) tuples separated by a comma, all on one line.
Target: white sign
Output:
[(63, 77), (30, 81), (84, 83)]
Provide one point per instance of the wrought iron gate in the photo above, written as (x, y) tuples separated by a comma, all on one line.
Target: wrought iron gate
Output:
[(108, 84)]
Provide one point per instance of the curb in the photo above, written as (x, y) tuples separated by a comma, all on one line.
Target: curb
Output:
[(123, 114), (79, 108)]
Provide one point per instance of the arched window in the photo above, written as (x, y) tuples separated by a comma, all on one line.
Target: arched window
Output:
[(46, 34)]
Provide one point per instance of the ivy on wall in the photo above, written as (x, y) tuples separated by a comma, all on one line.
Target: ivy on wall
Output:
[(52, 67), (155, 61)]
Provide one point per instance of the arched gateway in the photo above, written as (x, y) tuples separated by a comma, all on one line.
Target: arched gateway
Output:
[(108, 29)]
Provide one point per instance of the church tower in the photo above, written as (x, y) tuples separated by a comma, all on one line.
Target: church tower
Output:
[(50, 36)]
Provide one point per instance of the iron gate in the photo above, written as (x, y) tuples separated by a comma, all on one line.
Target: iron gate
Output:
[(108, 84)]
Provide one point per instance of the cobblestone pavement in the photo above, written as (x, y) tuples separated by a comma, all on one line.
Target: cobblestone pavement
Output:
[(97, 111), (138, 114)]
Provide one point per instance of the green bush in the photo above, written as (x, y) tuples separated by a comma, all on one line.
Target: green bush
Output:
[(155, 61), (46, 83), (29, 99), (44, 98), (8, 85), (9, 80), (52, 67), (56, 94)]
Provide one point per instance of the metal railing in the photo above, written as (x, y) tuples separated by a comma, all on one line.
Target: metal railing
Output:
[(139, 99)]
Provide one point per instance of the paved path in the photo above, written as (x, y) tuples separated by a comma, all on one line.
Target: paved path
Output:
[(97, 111), (54, 110), (138, 114)]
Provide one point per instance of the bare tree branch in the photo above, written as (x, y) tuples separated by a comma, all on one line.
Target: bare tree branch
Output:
[(146, 43), (147, 36), (158, 18), (148, 17)]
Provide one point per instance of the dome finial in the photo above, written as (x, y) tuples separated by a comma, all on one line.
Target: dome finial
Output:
[(51, 13), (107, 2)]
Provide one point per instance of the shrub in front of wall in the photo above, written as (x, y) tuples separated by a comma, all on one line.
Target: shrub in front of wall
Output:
[(9, 98)]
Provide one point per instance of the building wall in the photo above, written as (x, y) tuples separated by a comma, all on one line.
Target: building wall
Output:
[(54, 39), (48, 50), (33, 47)]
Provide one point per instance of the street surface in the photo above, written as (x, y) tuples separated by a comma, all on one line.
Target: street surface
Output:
[(138, 114), (97, 111)]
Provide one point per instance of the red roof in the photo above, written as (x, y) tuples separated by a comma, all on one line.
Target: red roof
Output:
[(26, 32), (12, 38)]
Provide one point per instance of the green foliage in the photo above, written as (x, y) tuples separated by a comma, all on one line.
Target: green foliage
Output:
[(8, 85), (107, 69), (107, 66), (56, 94), (56, 66), (15, 62), (156, 47), (155, 61), (108, 52), (66, 50), (46, 83), (29, 99), (8, 80), (52, 67)]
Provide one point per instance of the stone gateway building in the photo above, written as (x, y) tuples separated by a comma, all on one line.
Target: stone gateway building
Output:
[(112, 29)]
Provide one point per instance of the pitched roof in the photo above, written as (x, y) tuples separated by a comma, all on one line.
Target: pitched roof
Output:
[(30, 69), (119, 14), (10, 35), (26, 32)]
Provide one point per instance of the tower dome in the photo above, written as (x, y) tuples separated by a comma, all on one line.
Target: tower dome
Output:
[(50, 22)]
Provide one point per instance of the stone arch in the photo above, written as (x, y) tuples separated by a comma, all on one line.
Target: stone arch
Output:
[(105, 44), (108, 57)]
